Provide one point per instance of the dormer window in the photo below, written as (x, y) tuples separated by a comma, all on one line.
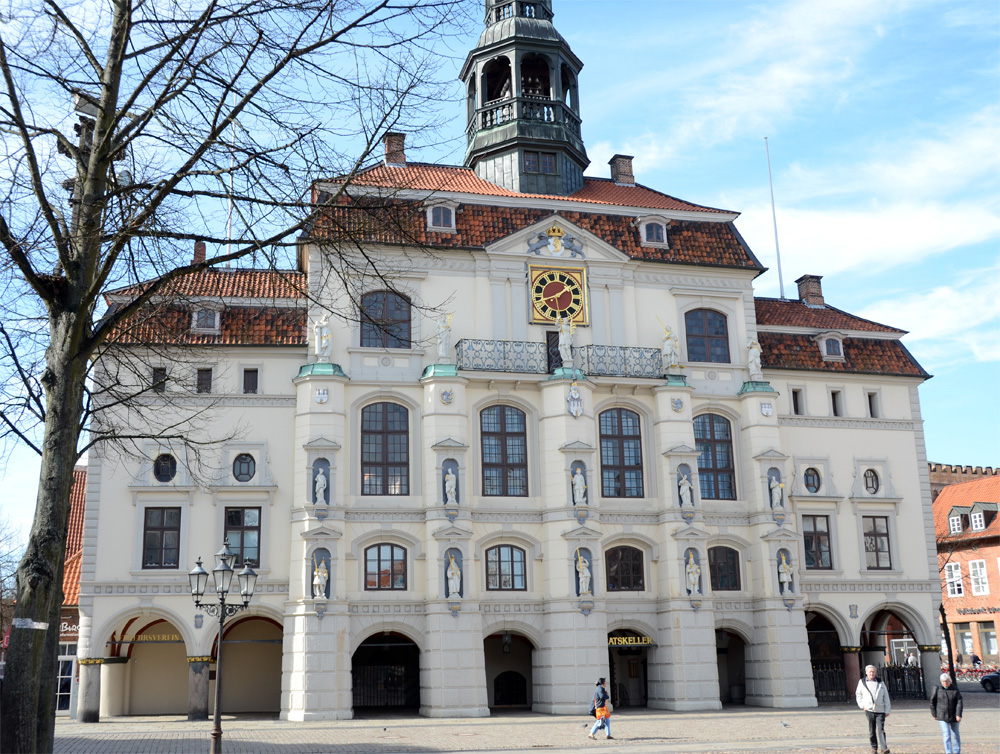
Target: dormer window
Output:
[(441, 218), (954, 524), (205, 320), (653, 232), (978, 521), (831, 346)]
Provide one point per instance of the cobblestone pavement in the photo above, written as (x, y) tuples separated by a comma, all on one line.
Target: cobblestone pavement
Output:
[(830, 729)]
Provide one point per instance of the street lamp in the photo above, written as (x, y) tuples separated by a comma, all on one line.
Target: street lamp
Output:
[(223, 576)]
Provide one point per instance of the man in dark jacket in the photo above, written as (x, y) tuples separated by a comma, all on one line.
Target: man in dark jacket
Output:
[(946, 707)]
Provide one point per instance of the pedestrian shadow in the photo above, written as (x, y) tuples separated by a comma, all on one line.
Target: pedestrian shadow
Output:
[(129, 744)]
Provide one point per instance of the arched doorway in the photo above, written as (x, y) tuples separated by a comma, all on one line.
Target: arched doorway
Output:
[(827, 658), (628, 664), (251, 666), (886, 641), (509, 677), (731, 651), (385, 674), (147, 670)]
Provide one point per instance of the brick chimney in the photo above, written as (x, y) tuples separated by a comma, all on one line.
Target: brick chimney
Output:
[(810, 290), (621, 170), (395, 150), (199, 252)]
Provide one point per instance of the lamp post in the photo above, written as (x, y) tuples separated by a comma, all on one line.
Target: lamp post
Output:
[(223, 577)]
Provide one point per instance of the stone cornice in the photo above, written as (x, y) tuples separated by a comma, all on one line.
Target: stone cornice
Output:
[(835, 422)]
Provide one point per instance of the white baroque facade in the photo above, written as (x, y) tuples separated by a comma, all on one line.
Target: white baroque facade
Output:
[(750, 467)]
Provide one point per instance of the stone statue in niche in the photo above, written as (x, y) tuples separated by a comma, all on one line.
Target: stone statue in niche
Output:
[(322, 339), (444, 336), (579, 487), (583, 573), (319, 487), (669, 351), (450, 488), (320, 577), (685, 491), (692, 573), (454, 577), (776, 487), (565, 341), (753, 360), (785, 575)]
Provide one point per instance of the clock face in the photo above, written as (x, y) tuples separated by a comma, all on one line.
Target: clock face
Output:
[(558, 293)]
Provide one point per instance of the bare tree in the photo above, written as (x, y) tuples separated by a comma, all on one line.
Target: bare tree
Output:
[(192, 122), (11, 550)]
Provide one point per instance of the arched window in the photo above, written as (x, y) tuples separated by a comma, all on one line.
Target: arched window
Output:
[(385, 567), (724, 568), (385, 320), (714, 438), (505, 451), (621, 453), (505, 569), (385, 450), (654, 232), (707, 336), (164, 467), (625, 571)]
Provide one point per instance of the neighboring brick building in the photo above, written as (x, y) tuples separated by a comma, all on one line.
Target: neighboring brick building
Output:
[(943, 474), (968, 542)]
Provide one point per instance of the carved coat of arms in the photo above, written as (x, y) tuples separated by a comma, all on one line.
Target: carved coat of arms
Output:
[(322, 395), (447, 396), (677, 404)]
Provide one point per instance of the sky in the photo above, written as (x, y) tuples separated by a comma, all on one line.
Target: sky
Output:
[(883, 125)]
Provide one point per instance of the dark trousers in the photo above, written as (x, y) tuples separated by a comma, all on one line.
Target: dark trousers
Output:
[(876, 730)]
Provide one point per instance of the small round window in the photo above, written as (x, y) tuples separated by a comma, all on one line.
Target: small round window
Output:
[(811, 479), (244, 467), (871, 481), (164, 467)]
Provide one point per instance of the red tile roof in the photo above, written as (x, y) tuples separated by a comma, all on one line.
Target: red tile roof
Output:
[(425, 177), (861, 356), (794, 313), (966, 494), (71, 579), (239, 326), (716, 244), (242, 283), (77, 502)]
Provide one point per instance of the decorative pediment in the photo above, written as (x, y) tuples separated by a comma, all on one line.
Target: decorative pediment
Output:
[(322, 532), (322, 442), (449, 444), (577, 447), (771, 454), (554, 239), (452, 532), (581, 532), (781, 535), (681, 450), (690, 534)]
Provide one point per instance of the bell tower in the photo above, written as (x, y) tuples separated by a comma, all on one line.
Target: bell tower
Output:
[(522, 102)]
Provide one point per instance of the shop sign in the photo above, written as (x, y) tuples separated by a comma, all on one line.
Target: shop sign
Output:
[(630, 641)]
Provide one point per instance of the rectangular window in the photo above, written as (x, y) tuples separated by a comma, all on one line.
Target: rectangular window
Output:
[(205, 319), (988, 638), (978, 521), (161, 537), (836, 403), (797, 405), (531, 162), (250, 381), (873, 412), (955, 525), (204, 382), (548, 163), (953, 579), (441, 217), (876, 533), (816, 540), (243, 534), (978, 579), (963, 641), (159, 379)]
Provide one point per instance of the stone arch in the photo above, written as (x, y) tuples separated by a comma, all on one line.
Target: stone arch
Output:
[(913, 620), (191, 644), (844, 633), (516, 626), (360, 634)]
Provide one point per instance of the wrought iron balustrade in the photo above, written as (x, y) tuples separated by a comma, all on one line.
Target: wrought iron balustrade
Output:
[(502, 356), (498, 112), (618, 361), (534, 358)]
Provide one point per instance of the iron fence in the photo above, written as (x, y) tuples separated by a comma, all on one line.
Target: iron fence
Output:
[(619, 361), (830, 681), (534, 358), (903, 681)]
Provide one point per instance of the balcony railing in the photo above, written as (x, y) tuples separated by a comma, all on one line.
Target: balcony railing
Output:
[(533, 108), (534, 358)]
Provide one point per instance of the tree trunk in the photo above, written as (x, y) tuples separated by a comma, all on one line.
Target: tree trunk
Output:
[(28, 705), (946, 630)]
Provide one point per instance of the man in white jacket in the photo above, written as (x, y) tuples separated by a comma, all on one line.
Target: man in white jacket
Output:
[(873, 697)]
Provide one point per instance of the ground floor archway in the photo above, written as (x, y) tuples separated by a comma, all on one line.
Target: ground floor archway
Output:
[(251, 666), (509, 664), (145, 671), (827, 659), (628, 664), (731, 651), (385, 674)]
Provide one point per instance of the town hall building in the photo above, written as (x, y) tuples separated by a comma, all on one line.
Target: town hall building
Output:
[(529, 428)]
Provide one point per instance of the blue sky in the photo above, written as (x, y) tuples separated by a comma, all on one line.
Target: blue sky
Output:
[(883, 121)]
